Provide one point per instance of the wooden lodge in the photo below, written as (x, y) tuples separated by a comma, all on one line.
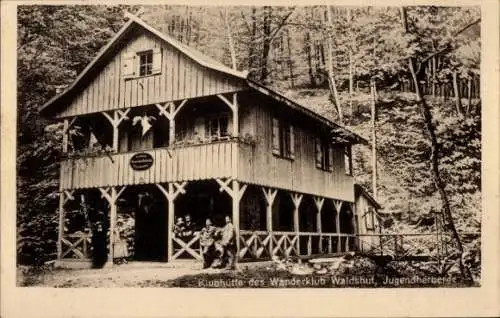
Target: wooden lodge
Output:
[(156, 130)]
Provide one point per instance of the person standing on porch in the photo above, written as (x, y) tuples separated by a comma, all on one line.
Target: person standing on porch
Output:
[(207, 241), (228, 244)]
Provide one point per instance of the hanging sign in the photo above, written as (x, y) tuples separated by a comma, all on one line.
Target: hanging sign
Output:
[(141, 161)]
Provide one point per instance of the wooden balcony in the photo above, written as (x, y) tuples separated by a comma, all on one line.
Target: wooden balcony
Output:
[(177, 163)]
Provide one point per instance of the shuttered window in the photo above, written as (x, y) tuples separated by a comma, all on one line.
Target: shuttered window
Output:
[(324, 155), (145, 63), (283, 138), (347, 160)]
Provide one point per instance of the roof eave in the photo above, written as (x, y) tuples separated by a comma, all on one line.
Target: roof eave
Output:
[(347, 136)]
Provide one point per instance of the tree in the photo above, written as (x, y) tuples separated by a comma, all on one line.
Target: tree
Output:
[(434, 155)]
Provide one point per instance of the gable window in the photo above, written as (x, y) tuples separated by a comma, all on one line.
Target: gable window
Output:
[(217, 127), (348, 160), (324, 155), (143, 63), (283, 139)]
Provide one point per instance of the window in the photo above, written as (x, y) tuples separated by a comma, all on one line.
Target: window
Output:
[(324, 155), (347, 160), (217, 127), (145, 63), (369, 218), (283, 139)]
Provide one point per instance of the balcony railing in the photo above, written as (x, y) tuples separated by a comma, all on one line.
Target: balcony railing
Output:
[(177, 163)]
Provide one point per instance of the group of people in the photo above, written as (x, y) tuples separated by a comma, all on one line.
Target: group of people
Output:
[(184, 227), (218, 244)]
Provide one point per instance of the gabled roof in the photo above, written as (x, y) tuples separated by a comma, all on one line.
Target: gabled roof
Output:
[(359, 190), (338, 133)]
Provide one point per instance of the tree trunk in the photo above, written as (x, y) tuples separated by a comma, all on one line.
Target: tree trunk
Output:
[(266, 28), (434, 157), (309, 52), (456, 94), (373, 88), (289, 60), (469, 95), (229, 36), (433, 76), (331, 79)]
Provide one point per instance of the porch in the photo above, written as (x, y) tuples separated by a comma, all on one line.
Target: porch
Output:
[(269, 222)]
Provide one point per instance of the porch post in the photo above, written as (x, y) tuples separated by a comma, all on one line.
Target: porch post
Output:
[(297, 199), (170, 110), (319, 205), (61, 225), (64, 197), (112, 216), (338, 207), (115, 120), (66, 126), (270, 195), (234, 108), (170, 218), (237, 194), (173, 190), (65, 136), (111, 195)]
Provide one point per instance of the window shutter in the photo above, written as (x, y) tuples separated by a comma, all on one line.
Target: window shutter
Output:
[(156, 69), (330, 158), (292, 142), (276, 136), (318, 153), (129, 68), (347, 160)]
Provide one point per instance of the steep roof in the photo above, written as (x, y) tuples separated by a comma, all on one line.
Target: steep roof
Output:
[(359, 190), (341, 133)]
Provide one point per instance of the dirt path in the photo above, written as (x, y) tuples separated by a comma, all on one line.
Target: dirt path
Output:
[(125, 275)]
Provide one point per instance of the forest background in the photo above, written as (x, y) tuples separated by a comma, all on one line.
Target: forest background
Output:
[(410, 74)]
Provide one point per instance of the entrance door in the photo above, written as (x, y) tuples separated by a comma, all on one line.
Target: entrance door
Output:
[(151, 231)]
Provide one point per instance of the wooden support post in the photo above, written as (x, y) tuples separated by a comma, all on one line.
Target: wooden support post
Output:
[(115, 121), (66, 126), (297, 199), (234, 108), (270, 195), (112, 222), (236, 193), (338, 207), (170, 110), (61, 225), (173, 190), (111, 195), (319, 205), (236, 215), (65, 136)]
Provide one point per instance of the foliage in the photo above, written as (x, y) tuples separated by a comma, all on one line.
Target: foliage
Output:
[(282, 46)]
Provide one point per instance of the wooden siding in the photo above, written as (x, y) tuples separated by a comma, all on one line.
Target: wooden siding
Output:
[(180, 78), (258, 165), (197, 162)]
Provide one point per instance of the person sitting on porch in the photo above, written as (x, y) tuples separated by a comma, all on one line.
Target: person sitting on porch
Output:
[(207, 241), (179, 227), (228, 244), (189, 226)]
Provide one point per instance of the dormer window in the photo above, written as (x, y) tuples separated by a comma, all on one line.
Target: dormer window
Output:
[(143, 63)]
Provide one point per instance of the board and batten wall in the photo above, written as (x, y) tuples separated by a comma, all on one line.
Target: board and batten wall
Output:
[(180, 78), (258, 165), (367, 242)]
